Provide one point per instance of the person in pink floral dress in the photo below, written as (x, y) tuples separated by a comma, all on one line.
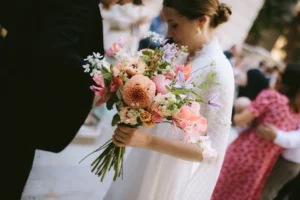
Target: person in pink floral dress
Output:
[(250, 159)]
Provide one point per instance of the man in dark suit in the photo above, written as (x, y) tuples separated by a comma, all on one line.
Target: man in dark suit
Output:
[(45, 95)]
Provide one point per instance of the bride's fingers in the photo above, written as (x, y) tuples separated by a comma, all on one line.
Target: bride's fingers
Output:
[(117, 143), (126, 129), (122, 133), (119, 138)]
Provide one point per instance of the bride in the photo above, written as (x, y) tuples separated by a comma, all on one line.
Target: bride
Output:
[(161, 167)]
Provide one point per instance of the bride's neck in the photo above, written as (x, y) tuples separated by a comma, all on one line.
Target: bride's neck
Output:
[(206, 38)]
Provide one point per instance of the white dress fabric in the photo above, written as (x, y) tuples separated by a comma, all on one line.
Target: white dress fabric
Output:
[(149, 175)]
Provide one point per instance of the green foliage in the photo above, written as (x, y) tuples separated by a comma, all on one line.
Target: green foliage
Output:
[(275, 14)]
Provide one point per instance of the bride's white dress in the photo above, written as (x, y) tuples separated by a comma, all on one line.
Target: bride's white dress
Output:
[(150, 175)]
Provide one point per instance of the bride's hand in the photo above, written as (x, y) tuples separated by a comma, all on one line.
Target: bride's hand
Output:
[(135, 137)]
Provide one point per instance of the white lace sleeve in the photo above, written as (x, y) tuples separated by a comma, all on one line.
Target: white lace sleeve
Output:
[(205, 177)]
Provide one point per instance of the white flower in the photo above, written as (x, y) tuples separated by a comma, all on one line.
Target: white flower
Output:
[(86, 68), (97, 55), (89, 58), (94, 72), (154, 37)]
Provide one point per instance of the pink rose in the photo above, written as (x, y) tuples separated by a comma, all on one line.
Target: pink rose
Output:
[(157, 118), (161, 82), (115, 48)]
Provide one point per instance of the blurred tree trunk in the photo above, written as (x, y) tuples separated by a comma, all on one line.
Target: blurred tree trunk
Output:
[(292, 35), (270, 23)]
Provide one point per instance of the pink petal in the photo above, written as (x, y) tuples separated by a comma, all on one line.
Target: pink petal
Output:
[(157, 118)]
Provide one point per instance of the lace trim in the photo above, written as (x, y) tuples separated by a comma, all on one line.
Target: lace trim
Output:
[(211, 50)]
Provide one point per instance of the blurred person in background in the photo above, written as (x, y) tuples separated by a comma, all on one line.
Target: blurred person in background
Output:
[(256, 81), (129, 21), (232, 54), (287, 166), (250, 158), (159, 26)]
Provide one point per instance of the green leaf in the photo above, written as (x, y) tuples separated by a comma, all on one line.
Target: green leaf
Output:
[(169, 118), (116, 119), (107, 76), (206, 84), (139, 121), (104, 70), (199, 100), (180, 91), (119, 94), (178, 97), (111, 68), (214, 83), (147, 53), (212, 75), (196, 94), (111, 101), (168, 88)]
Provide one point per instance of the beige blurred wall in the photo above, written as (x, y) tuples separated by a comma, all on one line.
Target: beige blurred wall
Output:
[(244, 13)]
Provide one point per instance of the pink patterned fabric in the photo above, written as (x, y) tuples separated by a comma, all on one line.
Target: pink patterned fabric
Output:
[(250, 159)]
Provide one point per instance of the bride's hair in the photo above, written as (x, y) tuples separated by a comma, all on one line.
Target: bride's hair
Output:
[(192, 9)]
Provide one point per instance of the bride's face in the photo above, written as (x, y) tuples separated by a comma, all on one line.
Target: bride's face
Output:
[(183, 31)]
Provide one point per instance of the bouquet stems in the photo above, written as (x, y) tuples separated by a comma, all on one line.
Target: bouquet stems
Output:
[(112, 156)]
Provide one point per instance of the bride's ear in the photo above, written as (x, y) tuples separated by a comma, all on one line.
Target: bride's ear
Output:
[(202, 20)]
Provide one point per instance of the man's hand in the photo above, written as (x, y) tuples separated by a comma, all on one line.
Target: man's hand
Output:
[(268, 132), (3, 32)]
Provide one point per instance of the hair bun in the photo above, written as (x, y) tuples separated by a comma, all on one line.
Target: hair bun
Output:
[(224, 14)]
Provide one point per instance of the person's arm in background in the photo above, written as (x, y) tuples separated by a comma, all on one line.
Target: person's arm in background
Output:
[(257, 108), (288, 140)]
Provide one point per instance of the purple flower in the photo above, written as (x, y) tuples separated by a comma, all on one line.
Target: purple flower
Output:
[(170, 52), (211, 101), (181, 83)]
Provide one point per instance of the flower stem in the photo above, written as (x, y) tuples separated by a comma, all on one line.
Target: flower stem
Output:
[(118, 163), (107, 164)]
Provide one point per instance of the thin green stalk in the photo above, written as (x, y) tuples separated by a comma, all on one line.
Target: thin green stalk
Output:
[(100, 148), (118, 163), (107, 164)]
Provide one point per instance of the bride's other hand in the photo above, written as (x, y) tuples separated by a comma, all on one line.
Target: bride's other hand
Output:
[(134, 137)]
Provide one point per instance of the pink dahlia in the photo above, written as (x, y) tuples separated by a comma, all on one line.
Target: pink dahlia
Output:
[(139, 92)]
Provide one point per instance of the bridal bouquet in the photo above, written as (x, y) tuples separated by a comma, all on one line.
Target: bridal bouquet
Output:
[(148, 88)]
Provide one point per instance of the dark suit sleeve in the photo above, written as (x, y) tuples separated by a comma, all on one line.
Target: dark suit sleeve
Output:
[(66, 39), (61, 30)]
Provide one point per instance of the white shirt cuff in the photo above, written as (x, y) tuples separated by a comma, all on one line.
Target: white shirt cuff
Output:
[(280, 139)]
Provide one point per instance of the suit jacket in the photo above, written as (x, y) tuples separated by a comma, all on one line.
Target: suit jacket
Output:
[(43, 82)]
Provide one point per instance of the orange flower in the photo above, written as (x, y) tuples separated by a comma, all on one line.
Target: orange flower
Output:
[(187, 70), (149, 124), (145, 116), (139, 92)]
